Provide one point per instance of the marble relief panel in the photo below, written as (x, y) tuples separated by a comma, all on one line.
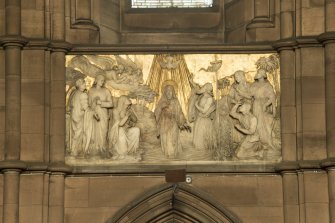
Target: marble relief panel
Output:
[(172, 108)]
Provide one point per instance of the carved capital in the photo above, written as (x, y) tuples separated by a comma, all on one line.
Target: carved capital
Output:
[(12, 165), (328, 164), (59, 168), (285, 44), (328, 37), (60, 46), (287, 167), (13, 40)]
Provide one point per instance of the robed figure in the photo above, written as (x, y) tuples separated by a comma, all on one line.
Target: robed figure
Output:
[(170, 120)]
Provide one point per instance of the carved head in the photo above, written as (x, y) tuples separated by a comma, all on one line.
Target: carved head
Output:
[(123, 103), (169, 92), (261, 73), (239, 76), (245, 108), (207, 88), (99, 80), (80, 84)]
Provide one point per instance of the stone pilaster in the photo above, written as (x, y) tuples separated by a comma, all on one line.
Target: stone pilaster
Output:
[(288, 112), (328, 39), (11, 196), (57, 112), (12, 42)]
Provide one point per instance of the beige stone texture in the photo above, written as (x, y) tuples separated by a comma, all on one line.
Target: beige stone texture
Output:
[(312, 17), (2, 17), (2, 104), (33, 22), (311, 58), (316, 184), (31, 197)]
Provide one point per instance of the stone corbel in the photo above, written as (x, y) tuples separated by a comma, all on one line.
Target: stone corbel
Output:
[(264, 12)]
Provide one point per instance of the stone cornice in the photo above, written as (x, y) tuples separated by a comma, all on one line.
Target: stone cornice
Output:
[(328, 37), (13, 40)]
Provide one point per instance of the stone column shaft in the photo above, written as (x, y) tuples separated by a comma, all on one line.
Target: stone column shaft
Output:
[(57, 112), (330, 97), (329, 43), (331, 189), (13, 102), (57, 107), (11, 196), (261, 9), (13, 17), (56, 198), (330, 15), (288, 112), (58, 20), (291, 197), (287, 19)]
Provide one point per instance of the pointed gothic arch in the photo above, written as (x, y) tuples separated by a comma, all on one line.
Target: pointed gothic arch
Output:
[(174, 203)]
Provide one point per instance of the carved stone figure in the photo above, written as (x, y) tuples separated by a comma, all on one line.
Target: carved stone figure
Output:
[(239, 88), (239, 92), (170, 120), (264, 106), (202, 112), (100, 100), (124, 136), (249, 147), (79, 104)]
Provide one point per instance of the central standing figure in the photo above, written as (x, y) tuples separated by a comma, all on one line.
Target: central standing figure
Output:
[(100, 100), (170, 119)]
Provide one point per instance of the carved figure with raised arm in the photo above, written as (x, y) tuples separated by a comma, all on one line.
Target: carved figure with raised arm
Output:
[(170, 120), (100, 100)]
